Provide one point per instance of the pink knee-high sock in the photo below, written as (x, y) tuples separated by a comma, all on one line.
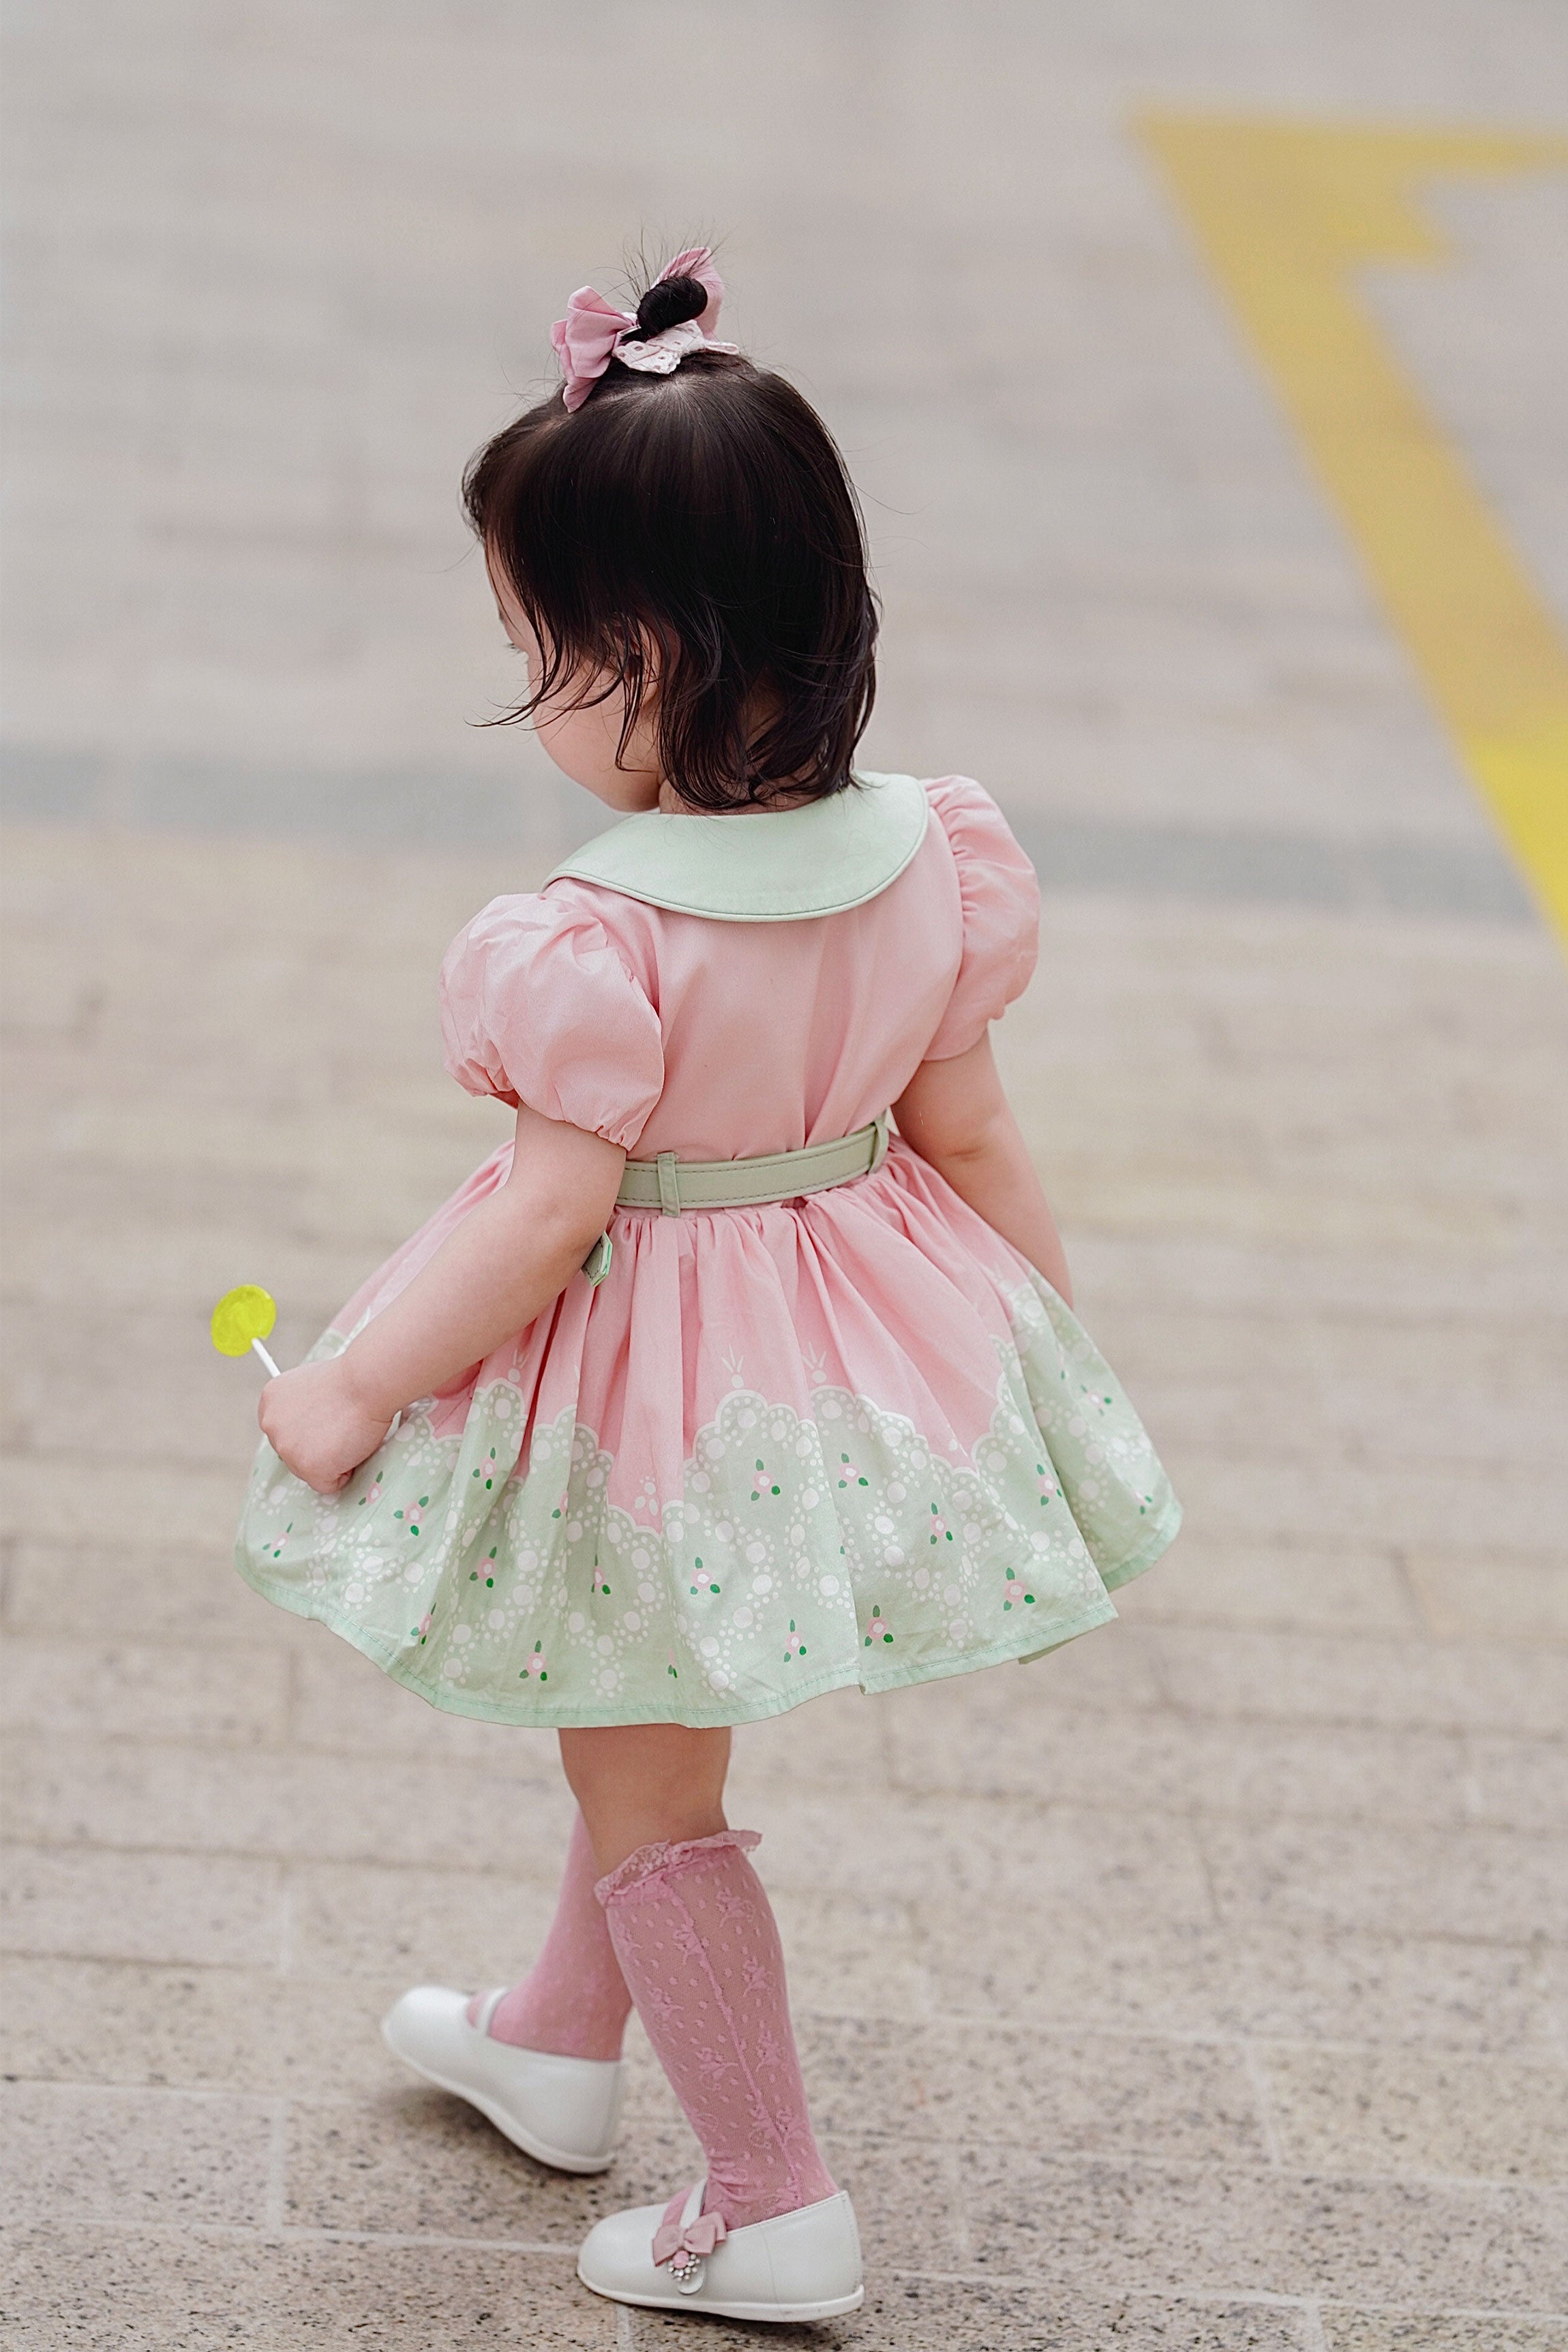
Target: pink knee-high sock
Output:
[(698, 1946), (573, 2000)]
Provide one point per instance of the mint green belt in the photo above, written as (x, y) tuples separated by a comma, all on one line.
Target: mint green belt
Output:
[(673, 1184)]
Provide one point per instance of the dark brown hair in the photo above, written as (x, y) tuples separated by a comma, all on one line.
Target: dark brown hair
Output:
[(702, 521)]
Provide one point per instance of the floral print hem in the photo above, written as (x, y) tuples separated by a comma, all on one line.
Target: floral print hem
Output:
[(806, 1550), (663, 1708)]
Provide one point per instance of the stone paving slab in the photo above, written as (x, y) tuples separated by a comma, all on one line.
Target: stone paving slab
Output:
[(929, 2315), (212, 1910), (149, 2291), (136, 2157), (1446, 2116), (1377, 2241), (1488, 2331)]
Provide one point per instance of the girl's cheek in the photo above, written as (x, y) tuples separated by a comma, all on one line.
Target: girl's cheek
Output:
[(556, 730)]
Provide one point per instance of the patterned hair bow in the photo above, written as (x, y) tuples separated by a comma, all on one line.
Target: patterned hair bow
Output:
[(593, 332)]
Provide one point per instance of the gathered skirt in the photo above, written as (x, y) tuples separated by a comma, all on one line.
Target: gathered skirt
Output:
[(852, 1438)]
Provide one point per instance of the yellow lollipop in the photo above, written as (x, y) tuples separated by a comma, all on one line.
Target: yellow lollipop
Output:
[(241, 1319)]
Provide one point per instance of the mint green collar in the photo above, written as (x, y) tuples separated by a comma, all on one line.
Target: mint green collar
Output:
[(780, 865)]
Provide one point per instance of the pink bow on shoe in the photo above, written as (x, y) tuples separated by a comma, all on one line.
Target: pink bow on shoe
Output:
[(685, 2243), (584, 341)]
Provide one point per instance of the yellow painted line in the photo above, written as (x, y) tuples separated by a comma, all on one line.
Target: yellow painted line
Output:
[(1286, 214)]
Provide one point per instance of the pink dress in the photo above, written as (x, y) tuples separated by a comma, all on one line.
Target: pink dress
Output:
[(853, 1437)]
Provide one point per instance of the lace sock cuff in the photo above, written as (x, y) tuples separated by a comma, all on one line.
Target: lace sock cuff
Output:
[(642, 1874)]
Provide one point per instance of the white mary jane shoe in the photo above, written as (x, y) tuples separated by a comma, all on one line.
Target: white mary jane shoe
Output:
[(564, 2111), (800, 2265)]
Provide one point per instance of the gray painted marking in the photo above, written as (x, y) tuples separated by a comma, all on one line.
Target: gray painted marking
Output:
[(1384, 873), (1392, 875)]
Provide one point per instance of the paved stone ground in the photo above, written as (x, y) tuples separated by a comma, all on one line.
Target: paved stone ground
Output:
[(1203, 1987)]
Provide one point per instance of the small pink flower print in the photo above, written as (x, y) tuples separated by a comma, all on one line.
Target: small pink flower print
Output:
[(1015, 1591), (425, 1622)]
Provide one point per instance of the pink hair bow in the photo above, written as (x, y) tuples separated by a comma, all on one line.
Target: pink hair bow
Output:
[(686, 2246), (585, 339)]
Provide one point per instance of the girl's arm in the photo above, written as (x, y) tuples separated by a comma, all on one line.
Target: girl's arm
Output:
[(506, 1262), (955, 1115)]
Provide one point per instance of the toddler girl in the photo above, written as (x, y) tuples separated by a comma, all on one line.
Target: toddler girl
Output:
[(747, 1370)]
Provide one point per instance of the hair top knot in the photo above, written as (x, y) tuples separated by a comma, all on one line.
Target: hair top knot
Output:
[(670, 302)]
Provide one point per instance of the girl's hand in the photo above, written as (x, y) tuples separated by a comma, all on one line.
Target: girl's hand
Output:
[(318, 1425)]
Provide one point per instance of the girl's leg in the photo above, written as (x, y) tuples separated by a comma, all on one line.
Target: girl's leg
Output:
[(573, 2000), (698, 1948)]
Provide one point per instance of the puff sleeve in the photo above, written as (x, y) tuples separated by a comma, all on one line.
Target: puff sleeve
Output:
[(537, 1007), (1001, 902)]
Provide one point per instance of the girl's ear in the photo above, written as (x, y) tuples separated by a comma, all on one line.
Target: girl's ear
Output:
[(649, 650)]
